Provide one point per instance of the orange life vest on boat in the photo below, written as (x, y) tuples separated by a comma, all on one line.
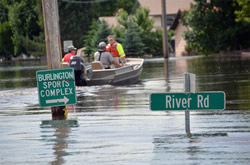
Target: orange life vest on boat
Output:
[(116, 49)]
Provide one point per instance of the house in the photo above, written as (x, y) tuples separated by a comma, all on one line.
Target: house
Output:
[(173, 15), (111, 20), (178, 27), (172, 7)]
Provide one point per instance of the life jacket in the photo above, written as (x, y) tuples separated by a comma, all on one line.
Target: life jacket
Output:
[(116, 49)]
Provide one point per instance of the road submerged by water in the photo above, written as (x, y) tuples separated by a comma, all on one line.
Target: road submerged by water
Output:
[(114, 124)]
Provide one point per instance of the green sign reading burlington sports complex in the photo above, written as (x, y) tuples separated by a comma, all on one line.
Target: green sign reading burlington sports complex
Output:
[(188, 101), (56, 87)]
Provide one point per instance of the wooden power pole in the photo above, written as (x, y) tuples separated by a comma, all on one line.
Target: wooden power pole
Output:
[(164, 29), (53, 44), (52, 33)]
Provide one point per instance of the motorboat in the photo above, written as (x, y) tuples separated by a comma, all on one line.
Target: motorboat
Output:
[(96, 74)]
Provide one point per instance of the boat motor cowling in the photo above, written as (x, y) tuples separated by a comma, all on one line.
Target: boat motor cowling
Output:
[(76, 63)]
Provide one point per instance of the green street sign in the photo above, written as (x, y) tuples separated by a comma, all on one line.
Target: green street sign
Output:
[(56, 87), (188, 101)]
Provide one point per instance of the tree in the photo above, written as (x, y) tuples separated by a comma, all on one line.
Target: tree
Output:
[(146, 24), (118, 33), (132, 42), (101, 35), (243, 14), (3, 11), (213, 27), (150, 38), (5, 40), (88, 39), (25, 22), (97, 34), (143, 20), (76, 18), (22, 19)]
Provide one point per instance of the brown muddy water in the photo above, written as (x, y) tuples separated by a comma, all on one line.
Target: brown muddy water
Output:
[(114, 124)]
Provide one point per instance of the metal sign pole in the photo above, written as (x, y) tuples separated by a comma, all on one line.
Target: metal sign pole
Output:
[(189, 86)]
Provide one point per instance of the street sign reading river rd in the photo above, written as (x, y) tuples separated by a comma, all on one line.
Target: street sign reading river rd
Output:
[(188, 101), (56, 87)]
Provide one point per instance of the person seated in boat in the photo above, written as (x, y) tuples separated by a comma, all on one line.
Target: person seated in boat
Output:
[(116, 49), (71, 53), (104, 57)]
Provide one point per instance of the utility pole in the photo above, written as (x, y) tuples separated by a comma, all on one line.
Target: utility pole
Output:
[(53, 44), (164, 29), (52, 33)]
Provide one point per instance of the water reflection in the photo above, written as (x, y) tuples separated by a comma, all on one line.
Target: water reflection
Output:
[(230, 75), (166, 73), (101, 98), (60, 137), (214, 148), (17, 74)]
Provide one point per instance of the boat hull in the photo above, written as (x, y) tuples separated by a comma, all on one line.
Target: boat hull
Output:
[(125, 75)]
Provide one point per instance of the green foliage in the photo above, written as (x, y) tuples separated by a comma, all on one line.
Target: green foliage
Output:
[(135, 32), (122, 18), (132, 42), (147, 37), (25, 22), (22, 20), (5, 40), (3, 11), (101, 35), (97, 34), (88, 39), (74, 21), (118, 33), (143, 20), (146, 24), (76, 18), (243, 14), (213, 27), (36, 46)]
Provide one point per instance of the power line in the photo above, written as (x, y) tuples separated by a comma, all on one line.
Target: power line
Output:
[(86, 2)]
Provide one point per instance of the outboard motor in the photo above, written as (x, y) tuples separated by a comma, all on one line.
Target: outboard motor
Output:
[(76, 63)]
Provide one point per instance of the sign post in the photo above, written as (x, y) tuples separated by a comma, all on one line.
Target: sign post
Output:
[(56, 87), (189, 86)]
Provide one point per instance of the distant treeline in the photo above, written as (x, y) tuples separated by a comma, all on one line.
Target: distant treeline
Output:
[(215, 25), (21, 23)]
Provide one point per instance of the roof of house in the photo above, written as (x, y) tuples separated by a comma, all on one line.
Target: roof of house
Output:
[(111, 20), (172, 6)]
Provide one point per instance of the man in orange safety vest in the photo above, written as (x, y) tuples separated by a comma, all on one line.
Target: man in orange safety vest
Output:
[(116, 49)]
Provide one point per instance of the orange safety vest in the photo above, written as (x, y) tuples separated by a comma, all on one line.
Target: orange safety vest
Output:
[(114, 50)]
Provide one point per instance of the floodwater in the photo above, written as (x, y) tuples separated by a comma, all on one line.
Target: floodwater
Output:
[(114, 124)]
